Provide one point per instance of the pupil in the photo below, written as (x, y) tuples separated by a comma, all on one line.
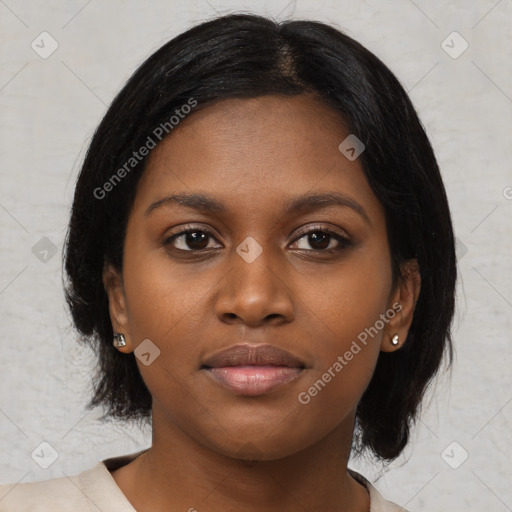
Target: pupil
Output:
[(324, 240), (195, 239)]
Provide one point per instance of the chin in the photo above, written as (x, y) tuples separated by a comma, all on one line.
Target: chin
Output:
[(260, 445)]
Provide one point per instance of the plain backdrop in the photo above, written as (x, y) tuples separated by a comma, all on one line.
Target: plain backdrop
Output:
[(459, 457)]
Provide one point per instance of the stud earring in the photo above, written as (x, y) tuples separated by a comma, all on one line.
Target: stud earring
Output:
[(119, 340), (395, 341)]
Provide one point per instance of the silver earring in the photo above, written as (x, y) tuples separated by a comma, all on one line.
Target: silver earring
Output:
[(119, 340), (395, 340)]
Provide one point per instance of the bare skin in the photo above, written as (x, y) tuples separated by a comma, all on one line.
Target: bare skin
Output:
[(212, 449)]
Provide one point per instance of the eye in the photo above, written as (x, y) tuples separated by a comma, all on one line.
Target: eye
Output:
[(198, 239), (323, 239), (191, 239)]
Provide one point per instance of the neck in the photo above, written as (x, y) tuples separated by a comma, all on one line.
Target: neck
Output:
[(179, 471)]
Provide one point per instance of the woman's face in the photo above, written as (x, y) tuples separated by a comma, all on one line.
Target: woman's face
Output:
[(249, 273)]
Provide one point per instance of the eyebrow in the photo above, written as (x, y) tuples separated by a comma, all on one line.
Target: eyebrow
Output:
[(295, 205)]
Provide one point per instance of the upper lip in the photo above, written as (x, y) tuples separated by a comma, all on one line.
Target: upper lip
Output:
[(245, 354)]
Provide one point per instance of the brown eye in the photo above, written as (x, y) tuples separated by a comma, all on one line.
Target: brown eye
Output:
[(322, 240), (190, 240), (319, 240)]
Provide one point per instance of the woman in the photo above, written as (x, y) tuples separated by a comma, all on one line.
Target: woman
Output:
[(261, 253)]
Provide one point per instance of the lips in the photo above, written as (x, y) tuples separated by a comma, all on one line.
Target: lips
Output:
[(253, 370), (261, 355)]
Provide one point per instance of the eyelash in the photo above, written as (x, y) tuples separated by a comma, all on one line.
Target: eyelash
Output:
[(344, 242)]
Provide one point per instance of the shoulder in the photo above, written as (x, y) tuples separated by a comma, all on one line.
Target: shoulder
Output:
[(89, 491), (377, 502), (85, 492), (56, 495)]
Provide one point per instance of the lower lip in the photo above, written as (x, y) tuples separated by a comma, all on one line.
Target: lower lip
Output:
[(253, 380)]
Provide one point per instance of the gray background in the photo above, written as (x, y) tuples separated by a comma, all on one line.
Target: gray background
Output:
[(50, 108)]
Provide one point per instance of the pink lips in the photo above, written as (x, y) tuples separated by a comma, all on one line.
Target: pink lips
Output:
[(253, 370)]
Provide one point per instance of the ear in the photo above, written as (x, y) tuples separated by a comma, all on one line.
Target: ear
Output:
[(113, 284), (403, 302)]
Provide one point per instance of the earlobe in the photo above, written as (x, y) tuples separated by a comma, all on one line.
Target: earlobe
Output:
[(113, 284), (406, 294)]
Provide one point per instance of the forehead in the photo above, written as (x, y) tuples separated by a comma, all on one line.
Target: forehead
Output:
[(253, 153)]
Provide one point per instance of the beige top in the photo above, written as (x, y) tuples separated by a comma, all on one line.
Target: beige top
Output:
[(95, 490)]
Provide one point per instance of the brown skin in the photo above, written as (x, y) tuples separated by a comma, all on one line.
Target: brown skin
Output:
[(250, 154)]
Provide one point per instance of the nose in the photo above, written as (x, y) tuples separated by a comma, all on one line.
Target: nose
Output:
[(255, 293)]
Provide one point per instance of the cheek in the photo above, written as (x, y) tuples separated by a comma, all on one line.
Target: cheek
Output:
[(160, 298), (161, 308), (346, 299), (167, 305), (344, 308)]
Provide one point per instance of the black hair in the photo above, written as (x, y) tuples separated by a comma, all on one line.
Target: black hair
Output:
[(244, 56)]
